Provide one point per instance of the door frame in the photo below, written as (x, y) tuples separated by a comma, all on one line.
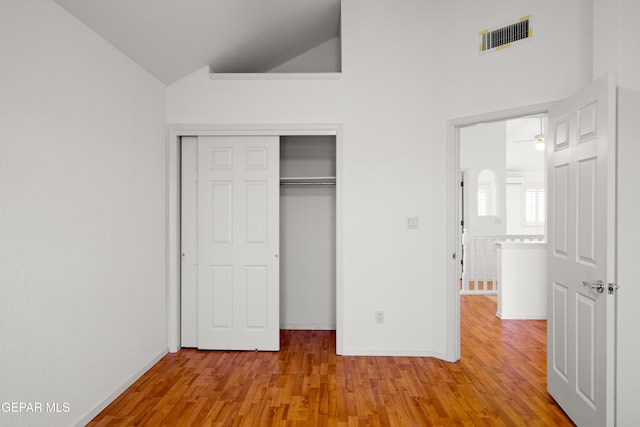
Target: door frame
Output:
[(454, 241), (174, 134)]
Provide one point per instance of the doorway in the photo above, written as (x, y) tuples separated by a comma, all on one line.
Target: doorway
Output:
[(502, 170), (455, 242), (174, 231)]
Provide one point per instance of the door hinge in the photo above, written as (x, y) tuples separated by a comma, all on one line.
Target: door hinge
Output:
[(612, 288), (461, 183)]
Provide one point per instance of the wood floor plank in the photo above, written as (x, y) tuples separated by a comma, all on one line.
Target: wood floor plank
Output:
[(499, 381)]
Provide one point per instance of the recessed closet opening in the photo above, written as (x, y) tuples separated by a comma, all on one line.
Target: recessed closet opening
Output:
[(225, 204), (308, 232)]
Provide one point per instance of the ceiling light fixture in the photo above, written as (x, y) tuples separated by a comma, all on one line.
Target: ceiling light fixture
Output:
[(537, 139)]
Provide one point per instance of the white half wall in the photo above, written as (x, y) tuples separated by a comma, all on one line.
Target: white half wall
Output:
[(82, 242)]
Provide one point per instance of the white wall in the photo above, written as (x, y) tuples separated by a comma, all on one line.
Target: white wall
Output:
[(324, 58), (628, 238), (384, 101), (82, 262), (525, 168), (401, 83), (515, 209), (483, 147), (307, 235), (539, 70), (490, 146), (82, 241), (616, 50), (473, 84)]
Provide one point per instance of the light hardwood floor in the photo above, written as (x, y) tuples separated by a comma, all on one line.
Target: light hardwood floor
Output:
[(499, 381)]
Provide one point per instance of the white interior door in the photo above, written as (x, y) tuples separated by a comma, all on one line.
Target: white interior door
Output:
[(238, 227), (189, 242), (581, 202)]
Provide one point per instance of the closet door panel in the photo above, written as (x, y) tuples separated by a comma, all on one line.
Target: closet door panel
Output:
[(189, 242), (238, 218)]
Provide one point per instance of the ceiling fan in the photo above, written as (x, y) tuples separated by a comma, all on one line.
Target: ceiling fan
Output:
[(538, 139)]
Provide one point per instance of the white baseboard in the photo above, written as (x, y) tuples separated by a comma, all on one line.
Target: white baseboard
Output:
[(100, 407)]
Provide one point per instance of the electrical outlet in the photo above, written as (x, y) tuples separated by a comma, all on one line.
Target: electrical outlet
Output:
[(379, 316)]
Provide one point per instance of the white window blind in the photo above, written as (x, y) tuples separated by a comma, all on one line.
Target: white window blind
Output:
[(534, 203), (483, 202)]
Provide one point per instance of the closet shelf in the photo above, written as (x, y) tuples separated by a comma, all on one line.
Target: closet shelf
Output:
[(308, 180)]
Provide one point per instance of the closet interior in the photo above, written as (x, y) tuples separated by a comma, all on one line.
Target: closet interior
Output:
[(308, 232)]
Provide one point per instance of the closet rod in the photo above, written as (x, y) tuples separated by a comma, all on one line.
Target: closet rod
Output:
[(306, 183)]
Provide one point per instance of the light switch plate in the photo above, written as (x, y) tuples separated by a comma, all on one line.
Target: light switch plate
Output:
[(413, 222)]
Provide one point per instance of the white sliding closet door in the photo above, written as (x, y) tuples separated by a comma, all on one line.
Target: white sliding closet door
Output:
[(189, 242), (238, 243)]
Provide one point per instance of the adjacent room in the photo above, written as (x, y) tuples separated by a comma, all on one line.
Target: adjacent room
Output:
[(502, 214)]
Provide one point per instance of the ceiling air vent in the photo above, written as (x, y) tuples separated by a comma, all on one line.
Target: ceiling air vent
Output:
[(503, 37)]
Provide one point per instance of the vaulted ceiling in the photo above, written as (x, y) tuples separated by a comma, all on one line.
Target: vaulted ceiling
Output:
[(173, 38)]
